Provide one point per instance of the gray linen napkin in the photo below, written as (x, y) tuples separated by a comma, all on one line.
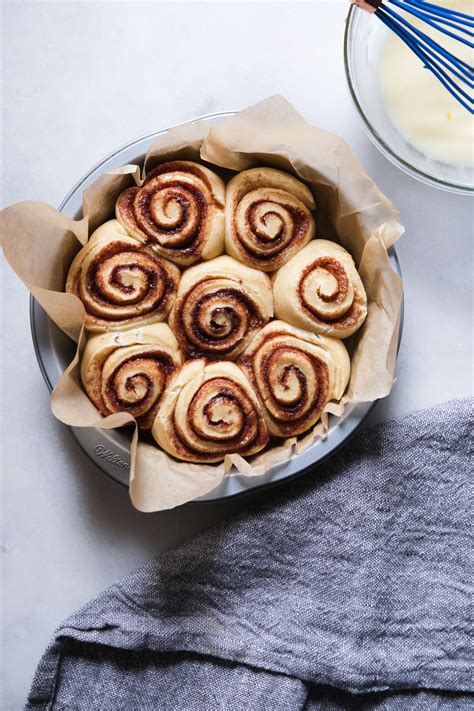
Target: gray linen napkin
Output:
[(348, 589)]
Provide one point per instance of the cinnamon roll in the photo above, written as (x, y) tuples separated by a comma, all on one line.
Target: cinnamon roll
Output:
[(179, 211), (211, 411), (320, 290), (130, 371), (295, 373), (121, 282), (219, 307), (268, 217)]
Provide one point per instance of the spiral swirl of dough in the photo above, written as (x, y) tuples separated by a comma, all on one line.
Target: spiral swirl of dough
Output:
[(268, 217), (320, 290), (210, 412), (130, 371), (219, 307), (120, 282), (179, 211), (295, 373)]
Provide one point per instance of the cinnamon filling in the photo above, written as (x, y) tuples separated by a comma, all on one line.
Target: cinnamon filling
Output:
[(105, 287), (153, 368), (277, 378), (227, 419), (335, 269), (136, 206), (268, 247), (225, 327)]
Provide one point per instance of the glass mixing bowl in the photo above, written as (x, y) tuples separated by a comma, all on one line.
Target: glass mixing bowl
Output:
[(364, 39)]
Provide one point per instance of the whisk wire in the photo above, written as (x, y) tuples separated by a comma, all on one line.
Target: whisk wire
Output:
[(439, 10), (463, 67), (436, 11), (450, 67), (454, 73), (421, 15), (433, 62), (459, 94)]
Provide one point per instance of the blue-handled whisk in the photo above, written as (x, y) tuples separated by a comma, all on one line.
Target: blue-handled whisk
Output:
[(455, 74)]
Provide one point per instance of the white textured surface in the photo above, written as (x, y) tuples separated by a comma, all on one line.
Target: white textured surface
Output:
[(80, 79)]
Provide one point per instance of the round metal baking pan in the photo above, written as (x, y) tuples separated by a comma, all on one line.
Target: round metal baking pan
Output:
[(108, 450)]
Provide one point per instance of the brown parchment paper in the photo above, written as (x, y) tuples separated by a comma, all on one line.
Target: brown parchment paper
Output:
[(40, 244)]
